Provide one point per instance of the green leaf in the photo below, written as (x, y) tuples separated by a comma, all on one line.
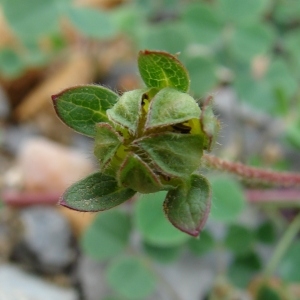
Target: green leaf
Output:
[(203, 74), (187, 207), (266, 233), (11, 64), (167, 36), (160, 69), (243, 11), (209, 123), (289, 266), (169, 152), (252, 40), (203, 23), (169, 106), (228, 199), (239, 239), (107, 141), (95, 192), (267, 293), (203, 244), (162, 254), (33, 19), (127, 111), (107, 236), (152, 223), (92, 23), (244, 268), (137, 175), (81, 107), (131, 278)]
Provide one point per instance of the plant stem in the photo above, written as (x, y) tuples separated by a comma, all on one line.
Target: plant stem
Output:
[(273, 196), (282, 246), (286, 179)]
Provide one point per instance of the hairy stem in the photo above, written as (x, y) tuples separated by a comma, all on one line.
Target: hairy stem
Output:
[(286, 179), (282, 246)]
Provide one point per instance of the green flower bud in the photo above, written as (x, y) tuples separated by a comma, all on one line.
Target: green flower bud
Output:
[(155, 139)]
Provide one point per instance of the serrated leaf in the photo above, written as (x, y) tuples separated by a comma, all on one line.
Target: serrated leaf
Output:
[(169, 106), (107, 235), (188, 206), (160, 69), (107, 141), (169, 152), (82, 107), (209, 123), (131, 278), (96, 192), (152, 224), (92, 23), (137, 175), (127, 111), (228, 199)]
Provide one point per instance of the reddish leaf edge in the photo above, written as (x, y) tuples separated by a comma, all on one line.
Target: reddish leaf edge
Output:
[(197, 230)]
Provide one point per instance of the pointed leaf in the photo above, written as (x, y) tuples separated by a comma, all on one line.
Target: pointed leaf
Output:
[(107, 141), (160, 69), (81, 107), (137, 175), (209, 123), (188, 206), (96, 192), (170, 106), (175, 154), (127, 110)]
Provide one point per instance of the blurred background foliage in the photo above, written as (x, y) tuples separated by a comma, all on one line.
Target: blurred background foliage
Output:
[(250, 47)]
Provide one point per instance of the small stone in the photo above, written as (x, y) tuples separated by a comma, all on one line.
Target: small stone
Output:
[(91, 274), (15, 284), (50, 167), (47, 235)]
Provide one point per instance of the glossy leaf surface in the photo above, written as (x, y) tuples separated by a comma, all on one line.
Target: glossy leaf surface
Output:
[(81, 107), (96, 192), (160, 69)]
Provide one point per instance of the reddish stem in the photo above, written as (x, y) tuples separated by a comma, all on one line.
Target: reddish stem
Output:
[(286, 179), (20, 199), (278, 196)]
